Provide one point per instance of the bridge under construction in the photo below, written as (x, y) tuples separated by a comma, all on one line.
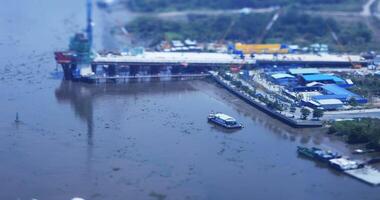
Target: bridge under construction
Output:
[(79, 62), (175, 63)]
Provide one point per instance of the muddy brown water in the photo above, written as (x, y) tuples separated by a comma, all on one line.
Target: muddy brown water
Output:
[(147, 140)]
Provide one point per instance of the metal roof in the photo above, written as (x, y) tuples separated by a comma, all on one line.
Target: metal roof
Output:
[(281, 75), (336, 90), (224, 117), (298, 71), (329, 102), (322, 77)]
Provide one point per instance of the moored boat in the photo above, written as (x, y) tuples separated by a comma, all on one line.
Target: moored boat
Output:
[(305, 151), (324, 155), (224, 120), (317, 153)]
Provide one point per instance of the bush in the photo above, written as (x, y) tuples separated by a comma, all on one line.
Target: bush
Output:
[(238, 84), (359, 131), (317, 113), (305, 113)]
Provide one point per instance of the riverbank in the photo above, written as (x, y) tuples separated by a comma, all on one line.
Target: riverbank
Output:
[(263, 107)]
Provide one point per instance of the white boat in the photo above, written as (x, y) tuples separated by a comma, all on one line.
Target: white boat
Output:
[(344, 164), (224, 120)]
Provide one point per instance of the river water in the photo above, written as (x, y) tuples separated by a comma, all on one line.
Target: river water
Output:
[(147, 140)]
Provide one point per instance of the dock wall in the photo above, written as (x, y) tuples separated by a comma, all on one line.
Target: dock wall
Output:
[(289, 121)]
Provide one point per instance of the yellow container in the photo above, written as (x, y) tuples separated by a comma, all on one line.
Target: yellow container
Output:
[(260, 48)]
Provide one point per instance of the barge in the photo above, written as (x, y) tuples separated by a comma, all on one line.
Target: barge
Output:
[(355, 169), (318, 154)]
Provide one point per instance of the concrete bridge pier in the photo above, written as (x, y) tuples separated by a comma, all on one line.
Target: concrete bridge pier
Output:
[(175, 70), (69, 70), (133, 70), (154, 70), (111, 70), (193, 69), (94, 68)]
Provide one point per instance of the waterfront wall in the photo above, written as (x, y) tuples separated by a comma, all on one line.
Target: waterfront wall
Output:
[(289, 121)]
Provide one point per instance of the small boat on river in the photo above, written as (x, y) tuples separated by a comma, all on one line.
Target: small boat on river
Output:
[(224, 121)]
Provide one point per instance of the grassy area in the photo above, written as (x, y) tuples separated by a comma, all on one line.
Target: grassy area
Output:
[(360, 131), (367, 86), (170, 5)]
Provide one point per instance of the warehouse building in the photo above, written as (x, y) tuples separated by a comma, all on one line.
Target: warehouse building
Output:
[(326, 104), (303, 71), (323, 78), (283, 79)]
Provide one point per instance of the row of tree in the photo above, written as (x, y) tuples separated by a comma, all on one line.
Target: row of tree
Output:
[(275, 105), (165, 5), (317, 113)]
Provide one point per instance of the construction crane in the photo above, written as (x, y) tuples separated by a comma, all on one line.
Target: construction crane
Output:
[(268, 27), (336, 38), (228, 30), (89, 22)]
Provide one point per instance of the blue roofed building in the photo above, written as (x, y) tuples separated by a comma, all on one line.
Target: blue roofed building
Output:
[(283, 79), (324, 78), (333, 91)]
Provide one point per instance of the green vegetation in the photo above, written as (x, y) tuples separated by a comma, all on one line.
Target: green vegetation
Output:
[(367, 86), (274, 105), (305, 113), (301, 28), (170, 5), (353, 102), (292, 27), (202, 28), (317, 113), (359, 131)]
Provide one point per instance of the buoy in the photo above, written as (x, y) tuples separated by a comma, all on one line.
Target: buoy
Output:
[(17, 120)]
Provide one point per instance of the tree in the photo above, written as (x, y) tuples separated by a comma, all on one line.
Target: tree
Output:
[(353, 102), (293, 109), (245, 88), (317, 113), (305, 113), (238, 84)]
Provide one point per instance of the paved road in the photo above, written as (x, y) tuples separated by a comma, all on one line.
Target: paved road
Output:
[(373, 113), (366, 12)]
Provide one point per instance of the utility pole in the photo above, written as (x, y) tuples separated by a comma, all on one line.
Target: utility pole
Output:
[(89, 22)]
